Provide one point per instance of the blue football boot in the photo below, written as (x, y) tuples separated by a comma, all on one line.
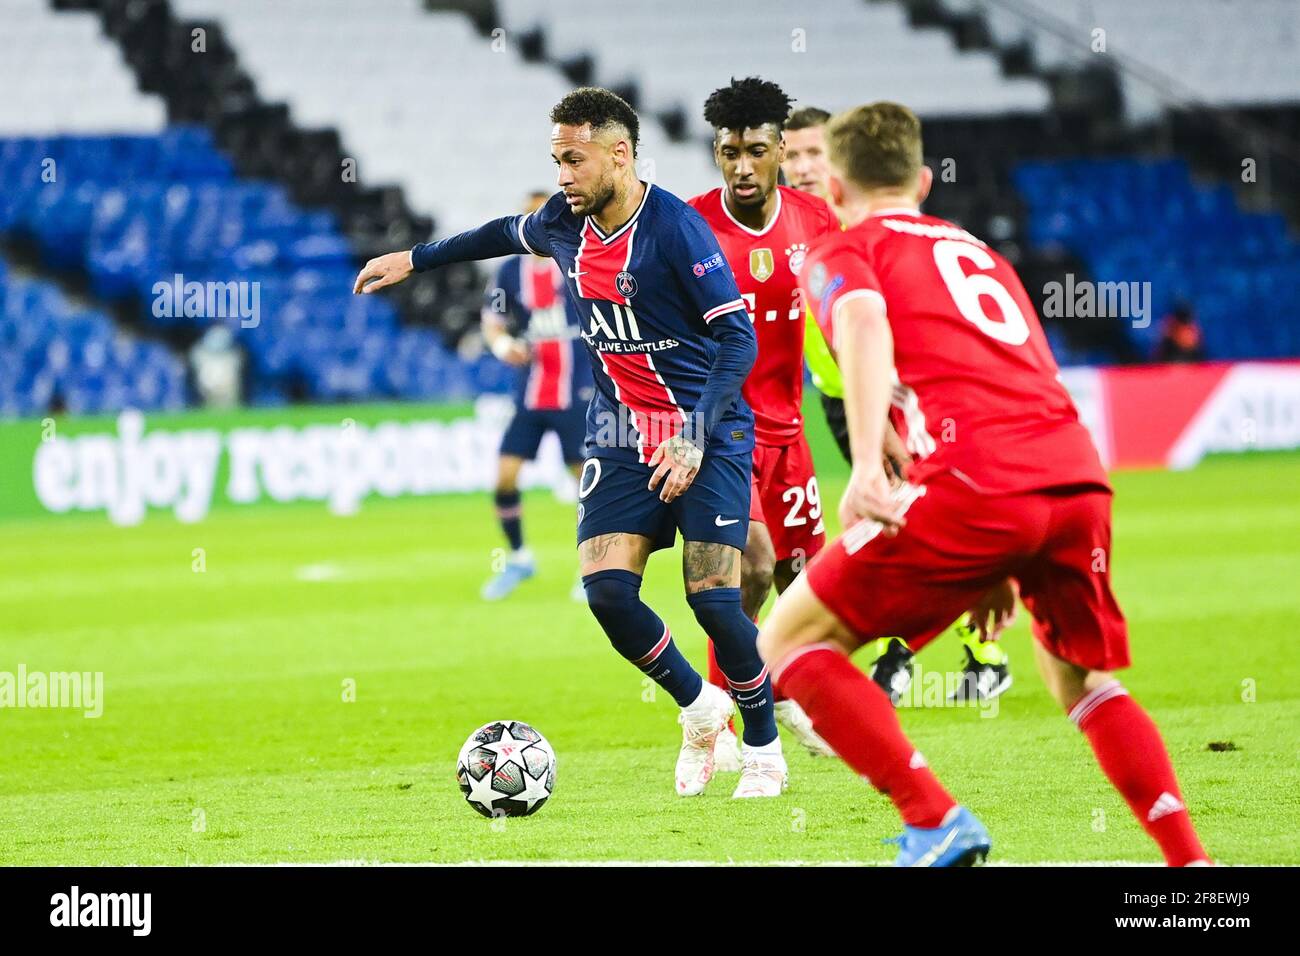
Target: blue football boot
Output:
[(960, 840), (518, 569)]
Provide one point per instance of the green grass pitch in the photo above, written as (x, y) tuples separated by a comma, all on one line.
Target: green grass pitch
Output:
[(226, 738)]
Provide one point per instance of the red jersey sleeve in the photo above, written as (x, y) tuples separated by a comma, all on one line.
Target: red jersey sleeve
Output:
[(838, 272)]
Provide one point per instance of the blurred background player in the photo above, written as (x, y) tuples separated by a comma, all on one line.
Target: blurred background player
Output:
[(986, 671), (551, 391), (1180, 336), (218, 368), (764, 230), (1020, 492), (670, 437)]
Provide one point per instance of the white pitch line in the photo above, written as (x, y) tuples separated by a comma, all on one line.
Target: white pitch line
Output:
[(687, 863)]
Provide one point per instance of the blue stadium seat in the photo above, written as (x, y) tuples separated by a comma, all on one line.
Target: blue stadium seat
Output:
[(52, 354), (1148, 220), (135, 211)]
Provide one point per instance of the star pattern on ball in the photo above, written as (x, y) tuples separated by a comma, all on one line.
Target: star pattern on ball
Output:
[(534, 790), (481, 792), (508, 750)]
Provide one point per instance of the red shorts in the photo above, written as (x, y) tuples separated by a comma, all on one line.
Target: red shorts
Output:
[(958, 543), (784, 496)]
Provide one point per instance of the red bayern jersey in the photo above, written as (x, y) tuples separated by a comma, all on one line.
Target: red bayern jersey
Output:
[(977, 389), (766, 263)]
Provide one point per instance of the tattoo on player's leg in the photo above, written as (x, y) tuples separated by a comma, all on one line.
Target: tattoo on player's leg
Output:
[(709, 565), (595, 549)]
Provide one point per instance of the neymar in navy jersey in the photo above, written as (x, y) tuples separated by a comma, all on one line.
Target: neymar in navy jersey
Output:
[(669, 438)]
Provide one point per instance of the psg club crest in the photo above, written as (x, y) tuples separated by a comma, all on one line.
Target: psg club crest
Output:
[(625, 282), (761, 264)]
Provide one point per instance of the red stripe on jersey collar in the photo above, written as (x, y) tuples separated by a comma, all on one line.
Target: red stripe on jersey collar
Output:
[(606, 240)]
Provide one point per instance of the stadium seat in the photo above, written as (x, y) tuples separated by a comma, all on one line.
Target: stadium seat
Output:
[(49, 65), (99, 184), (422, 100), (1135, 221), (55, 356), (1220, 52), (144, 209), (828, 53)]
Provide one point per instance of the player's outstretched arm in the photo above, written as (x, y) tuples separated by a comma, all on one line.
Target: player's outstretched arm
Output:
[(500, 237)]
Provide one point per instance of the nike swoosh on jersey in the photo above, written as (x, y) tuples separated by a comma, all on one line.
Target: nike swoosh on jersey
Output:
[(722, 524)]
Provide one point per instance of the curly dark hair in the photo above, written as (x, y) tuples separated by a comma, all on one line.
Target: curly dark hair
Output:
[(747, 104), (599, 107)]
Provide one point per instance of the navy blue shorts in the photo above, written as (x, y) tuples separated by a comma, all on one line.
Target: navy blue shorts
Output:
[(613, 497), (524, 433)]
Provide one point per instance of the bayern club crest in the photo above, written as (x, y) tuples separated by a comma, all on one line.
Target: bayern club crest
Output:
[(625, 282), (797, 253)]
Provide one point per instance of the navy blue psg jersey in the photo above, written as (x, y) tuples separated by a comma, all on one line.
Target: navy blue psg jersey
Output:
[(645, 294), (528, 296)]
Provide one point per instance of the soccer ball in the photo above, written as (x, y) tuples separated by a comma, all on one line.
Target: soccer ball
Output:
[(506, 769)]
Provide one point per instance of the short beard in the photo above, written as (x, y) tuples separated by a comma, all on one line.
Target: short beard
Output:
[(604, 192)]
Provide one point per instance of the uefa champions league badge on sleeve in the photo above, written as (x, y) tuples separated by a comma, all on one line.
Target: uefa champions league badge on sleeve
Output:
[(705, 266), (817, 280)]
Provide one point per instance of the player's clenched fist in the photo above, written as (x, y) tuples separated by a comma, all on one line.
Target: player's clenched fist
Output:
[(678, 460), (383, 271), (868, 496)]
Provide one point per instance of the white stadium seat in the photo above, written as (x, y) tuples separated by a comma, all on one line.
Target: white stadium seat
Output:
[(421, 100), (1222, 52), (830, 53), (61, 74)]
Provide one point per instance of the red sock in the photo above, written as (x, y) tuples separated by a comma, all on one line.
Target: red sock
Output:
[(856, 718), (1134, 759)]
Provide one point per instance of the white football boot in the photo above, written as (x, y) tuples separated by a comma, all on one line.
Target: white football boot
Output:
[(792, 717), (726, 752), (701, 722), (763, 772)]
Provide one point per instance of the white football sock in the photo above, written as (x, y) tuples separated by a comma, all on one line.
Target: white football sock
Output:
[(767, 750)]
